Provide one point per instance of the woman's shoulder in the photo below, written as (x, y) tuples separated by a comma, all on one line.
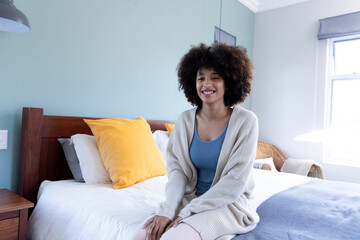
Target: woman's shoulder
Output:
[(239, 111), (185, 121), (187, 114), (242, 118)]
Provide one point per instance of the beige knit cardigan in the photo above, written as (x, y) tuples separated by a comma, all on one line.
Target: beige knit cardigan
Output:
[(225, 208)]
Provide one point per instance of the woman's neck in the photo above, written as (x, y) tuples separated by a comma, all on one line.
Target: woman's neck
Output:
[(214, 112)]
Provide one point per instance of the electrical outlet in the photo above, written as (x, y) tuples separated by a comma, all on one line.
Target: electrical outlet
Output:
[(3, 139)]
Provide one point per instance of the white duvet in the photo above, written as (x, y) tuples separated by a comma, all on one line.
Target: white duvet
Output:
[(68, 210)]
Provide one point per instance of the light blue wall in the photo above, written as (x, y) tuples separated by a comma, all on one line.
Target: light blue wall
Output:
[(104, 58)]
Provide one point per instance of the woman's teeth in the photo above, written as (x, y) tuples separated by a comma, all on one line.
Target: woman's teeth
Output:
[(208, 92)]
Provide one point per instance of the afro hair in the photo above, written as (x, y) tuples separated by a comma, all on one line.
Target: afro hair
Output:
[(232, 63)]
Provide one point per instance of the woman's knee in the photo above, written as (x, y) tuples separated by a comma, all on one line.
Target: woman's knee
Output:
[(180, 232), (139, 234)]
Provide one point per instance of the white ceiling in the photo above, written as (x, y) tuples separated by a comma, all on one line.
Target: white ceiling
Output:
[(263, 5)]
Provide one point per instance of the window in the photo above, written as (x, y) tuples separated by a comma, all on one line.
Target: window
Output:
[(342, 114)]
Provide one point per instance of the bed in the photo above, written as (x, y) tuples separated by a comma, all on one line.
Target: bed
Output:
[(66, 209)]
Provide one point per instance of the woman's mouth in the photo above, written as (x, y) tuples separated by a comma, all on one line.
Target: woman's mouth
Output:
[(208, 92)]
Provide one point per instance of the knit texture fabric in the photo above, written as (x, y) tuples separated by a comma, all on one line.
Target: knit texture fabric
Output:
[(225, 208)]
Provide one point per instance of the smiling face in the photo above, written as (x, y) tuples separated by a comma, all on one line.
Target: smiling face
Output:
[(210, 86)]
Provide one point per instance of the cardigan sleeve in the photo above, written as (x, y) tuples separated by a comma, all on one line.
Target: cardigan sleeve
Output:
[(177, 180), (237, 180)]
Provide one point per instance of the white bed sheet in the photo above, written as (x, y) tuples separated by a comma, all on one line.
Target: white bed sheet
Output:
[(69, 210)]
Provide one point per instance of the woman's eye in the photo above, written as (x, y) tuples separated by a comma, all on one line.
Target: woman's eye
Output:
[(201, 79)]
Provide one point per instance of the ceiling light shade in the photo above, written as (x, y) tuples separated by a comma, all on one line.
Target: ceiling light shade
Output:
[(11, 19)]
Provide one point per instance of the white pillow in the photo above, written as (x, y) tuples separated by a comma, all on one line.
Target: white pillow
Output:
[(269, 161), (162, 139), (91, 164)]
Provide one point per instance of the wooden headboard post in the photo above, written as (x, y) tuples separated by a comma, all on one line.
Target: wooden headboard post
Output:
[(30, 149)]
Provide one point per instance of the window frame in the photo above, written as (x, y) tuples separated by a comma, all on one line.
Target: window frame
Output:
[(328, 96)]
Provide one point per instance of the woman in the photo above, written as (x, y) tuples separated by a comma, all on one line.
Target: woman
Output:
[(211, 151)]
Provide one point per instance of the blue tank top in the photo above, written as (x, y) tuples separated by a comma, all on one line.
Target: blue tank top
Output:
[(204, 155)]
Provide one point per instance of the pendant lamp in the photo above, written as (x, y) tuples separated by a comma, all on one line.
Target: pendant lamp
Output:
[(12, 19)]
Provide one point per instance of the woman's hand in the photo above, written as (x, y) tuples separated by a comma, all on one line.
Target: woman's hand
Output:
[(156, 226), (174, 223)]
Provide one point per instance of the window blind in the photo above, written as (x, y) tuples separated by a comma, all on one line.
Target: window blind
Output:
[(339, 26)]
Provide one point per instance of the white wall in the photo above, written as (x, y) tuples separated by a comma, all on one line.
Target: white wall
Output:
[(288, 61)]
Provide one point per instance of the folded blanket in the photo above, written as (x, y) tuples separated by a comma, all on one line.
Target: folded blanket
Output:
[(302, 167)]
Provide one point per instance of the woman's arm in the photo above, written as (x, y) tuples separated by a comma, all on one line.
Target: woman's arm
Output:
[(175, 187)]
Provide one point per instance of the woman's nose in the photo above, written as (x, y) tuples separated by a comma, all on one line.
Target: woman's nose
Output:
[(207, 81)]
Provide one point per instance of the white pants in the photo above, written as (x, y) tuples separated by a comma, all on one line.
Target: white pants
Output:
[(180, 232)]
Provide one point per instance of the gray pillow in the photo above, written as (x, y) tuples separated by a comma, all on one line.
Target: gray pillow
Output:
[(71, 158)]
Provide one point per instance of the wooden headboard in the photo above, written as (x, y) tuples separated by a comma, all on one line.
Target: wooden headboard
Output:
[(42, 157), (266, 150)]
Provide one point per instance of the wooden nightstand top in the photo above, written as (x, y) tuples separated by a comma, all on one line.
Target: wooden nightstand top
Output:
[(10, 201)]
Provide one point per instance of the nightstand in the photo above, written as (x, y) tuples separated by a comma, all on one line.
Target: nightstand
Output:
[(13, 215)]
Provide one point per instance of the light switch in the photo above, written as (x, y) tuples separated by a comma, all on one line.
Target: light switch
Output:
[(3, 139)]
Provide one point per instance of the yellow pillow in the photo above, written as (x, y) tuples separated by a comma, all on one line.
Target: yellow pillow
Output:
[(128, 150), (169, 127)]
